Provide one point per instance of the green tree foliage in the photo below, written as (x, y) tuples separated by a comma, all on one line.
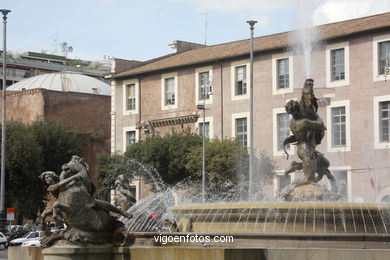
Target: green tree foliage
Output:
[(24, 190), (31, 149), (226, 161), (178, 157), (57, 144), (168, 154), (108, 169), (264, 166)]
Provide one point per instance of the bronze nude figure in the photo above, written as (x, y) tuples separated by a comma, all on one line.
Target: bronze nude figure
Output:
[(308, 131)]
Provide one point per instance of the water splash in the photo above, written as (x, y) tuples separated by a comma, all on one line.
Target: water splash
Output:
[(306, 39), (150, 213)]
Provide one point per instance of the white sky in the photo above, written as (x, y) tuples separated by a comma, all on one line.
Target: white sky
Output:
[(142, 29)]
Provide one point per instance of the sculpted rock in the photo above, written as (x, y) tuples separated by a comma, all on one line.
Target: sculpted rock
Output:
[(87, 219), (124, 199)]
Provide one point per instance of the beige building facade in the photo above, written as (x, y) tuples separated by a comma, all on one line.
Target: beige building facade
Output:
[(349, 65)]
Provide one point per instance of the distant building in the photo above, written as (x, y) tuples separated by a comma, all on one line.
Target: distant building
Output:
[(351, 80), (80, 102), (31, 64)]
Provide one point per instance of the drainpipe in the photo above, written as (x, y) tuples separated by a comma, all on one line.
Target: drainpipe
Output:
[(221, 75), (139, 108)]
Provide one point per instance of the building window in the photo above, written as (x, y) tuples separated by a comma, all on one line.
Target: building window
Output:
[(283, 73), (280, 130), (206, 130), (283, 181), (242, 131), (283, 126), (383, 56), (380, 56), (130, 97), (240, 82), (280, 182), (130, 138), (343, 182), (169, 91), (338, 126), (384, 121), (337, 64), (208, 127), (204, 85), (343, 186)]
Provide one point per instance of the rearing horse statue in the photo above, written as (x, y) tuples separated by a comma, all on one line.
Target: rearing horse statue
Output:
[(88, 219)]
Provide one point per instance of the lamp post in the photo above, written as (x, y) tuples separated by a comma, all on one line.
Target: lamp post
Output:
[(3, 122), (206, 87), (252, 27)]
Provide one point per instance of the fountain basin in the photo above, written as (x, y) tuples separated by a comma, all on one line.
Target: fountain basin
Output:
[(285, 217)]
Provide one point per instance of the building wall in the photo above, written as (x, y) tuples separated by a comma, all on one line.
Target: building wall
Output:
[(79, 111), (25, 106), (87, 114), (84, 113), (362, 160)]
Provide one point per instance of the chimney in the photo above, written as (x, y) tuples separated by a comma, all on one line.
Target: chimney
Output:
[(181, 46)]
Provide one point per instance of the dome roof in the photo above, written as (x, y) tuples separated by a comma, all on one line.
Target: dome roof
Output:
[(64, 81)]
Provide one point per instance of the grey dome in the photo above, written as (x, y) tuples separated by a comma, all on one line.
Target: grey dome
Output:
[(64, 81)]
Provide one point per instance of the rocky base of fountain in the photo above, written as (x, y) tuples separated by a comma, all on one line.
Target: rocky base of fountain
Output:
[(304, 191)]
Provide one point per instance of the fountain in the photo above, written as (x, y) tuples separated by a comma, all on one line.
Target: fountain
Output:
[(311, 207), (305, 215)]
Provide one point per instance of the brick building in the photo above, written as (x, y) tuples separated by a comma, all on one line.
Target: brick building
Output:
[(349, 68), (79, 102)]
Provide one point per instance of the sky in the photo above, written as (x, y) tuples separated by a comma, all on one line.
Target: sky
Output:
[(143, 29)]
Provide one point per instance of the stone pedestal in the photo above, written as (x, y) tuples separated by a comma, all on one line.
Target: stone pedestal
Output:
[(79, 253), (24, 253)]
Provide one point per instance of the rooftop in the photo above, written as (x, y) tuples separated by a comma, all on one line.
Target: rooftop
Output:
[(71, 82), (261, 44)]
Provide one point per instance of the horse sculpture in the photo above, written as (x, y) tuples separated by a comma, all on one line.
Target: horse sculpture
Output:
[(88, 220)]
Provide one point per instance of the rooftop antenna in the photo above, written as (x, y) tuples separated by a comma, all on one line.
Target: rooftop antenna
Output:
[(66, 48), (56, 43), (205, 27)]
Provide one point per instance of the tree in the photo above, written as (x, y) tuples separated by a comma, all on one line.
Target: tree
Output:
[(31, 149), (264, 166), (177, 157), (107, 173), (23, 191), (226, 161), (57, 143), (226, 166), (167, 154), (227, 169)]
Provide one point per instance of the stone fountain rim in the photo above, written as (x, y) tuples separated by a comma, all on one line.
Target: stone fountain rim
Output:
[(284, 205)]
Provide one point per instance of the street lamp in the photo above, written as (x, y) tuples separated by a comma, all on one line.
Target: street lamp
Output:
[(252, 27), (206, 90), (3, 122)]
